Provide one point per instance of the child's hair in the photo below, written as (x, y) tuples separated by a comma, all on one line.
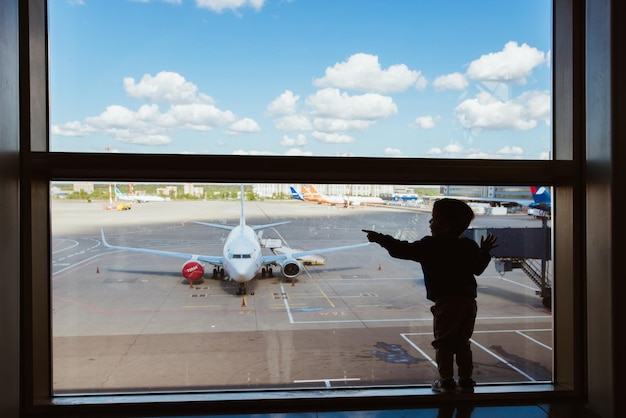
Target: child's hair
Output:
[(456, 213)]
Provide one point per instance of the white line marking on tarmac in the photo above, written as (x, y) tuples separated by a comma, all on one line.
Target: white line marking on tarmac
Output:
[(422, 352), (56, 273), (491, 353), (518, 284), (282, 290), (532, 339), (520, 332)]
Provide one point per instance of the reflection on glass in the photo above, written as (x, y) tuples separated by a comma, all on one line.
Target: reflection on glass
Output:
[(378, 78), (130, 314)]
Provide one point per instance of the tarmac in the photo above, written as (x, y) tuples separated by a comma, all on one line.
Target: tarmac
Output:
[(128, 323)]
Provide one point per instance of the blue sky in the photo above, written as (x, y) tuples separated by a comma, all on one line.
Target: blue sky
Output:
[(374, 78)]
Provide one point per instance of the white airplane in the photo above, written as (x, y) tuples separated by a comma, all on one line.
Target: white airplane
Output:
[(324, 199), (241, 258), (137, 198)]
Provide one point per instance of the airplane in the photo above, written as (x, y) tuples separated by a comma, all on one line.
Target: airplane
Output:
[(363, 200), (326, 199), (137, 198), (542, 202), (539, 206), (241, 259)]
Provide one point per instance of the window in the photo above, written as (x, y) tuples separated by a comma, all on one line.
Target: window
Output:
[(49, 166), (447, 79), (151, 308)]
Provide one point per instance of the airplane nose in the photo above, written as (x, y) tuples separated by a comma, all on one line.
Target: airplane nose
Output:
[(242, 271)]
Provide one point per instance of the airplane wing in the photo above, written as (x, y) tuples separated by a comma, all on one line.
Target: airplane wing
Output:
[(267, 259), (215, 260)]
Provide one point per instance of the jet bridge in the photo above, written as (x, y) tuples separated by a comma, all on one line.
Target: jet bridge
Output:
[(527, 249)]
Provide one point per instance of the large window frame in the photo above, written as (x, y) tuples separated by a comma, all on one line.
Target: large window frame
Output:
[(39, 167)]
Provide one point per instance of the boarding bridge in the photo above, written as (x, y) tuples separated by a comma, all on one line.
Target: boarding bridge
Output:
[(527, 249)]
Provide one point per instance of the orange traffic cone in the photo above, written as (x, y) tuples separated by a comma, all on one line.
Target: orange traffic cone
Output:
[(243, 302), (379, 267), (97, 270)]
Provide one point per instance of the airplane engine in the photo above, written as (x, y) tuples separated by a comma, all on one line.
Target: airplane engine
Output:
[(291, 268), (192, 270)]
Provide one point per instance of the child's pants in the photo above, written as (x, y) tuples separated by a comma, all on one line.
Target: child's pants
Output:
[(453, 321)]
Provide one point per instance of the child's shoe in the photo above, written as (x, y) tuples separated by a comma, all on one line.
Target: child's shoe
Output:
[(444, 386), (465, 384)]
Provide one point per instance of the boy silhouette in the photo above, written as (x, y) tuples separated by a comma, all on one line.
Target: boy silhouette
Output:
[(450, 263)]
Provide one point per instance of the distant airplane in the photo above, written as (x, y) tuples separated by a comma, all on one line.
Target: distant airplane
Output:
[(241, 258), (539, 206), (542, 202), (326, 199), (137, 198), (406, 198), (362, 200)]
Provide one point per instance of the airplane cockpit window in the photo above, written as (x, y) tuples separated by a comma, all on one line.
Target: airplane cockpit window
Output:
[(319, 273)]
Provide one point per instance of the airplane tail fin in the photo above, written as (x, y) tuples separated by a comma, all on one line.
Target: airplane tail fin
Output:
[(242, 217), (540, 194), (295, 194), (316, 195), (542, 197)]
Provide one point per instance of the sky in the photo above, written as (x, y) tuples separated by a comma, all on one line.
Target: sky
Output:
[(366, 78)]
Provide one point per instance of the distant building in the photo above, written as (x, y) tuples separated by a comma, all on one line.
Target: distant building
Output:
[(87, 187), (497, 192)]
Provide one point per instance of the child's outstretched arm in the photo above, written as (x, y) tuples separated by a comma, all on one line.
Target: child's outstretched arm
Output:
[(372, 236)]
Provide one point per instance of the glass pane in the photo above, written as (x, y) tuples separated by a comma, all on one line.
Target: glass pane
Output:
[(368, 78), (131, 314)]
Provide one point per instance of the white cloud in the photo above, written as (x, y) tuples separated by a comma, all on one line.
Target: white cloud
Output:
[(331, 103), (537, 105), (165, 87), (452, 149), (252, 152), (148, 125), (293, 123), (454, 81), (245, 125), (220, 5), (507, 150), (294, 152), (73, 128), (488, 112), (333, 138), (298, 141), (340, 125), (434, 151), (512, 65), (392, 152), (285, 104), (426, 122), (363, 72), (201, 117)]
